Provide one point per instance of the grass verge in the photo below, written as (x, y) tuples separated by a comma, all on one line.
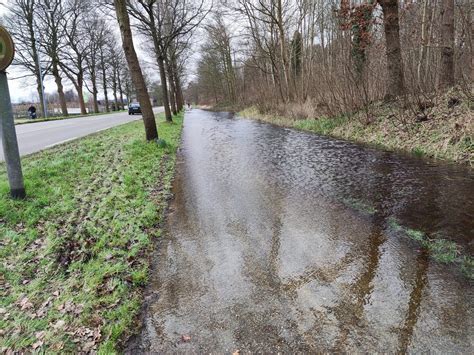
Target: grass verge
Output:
[(75, 252)]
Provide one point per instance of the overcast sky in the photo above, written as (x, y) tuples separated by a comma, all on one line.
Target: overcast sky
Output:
[(19, 88)]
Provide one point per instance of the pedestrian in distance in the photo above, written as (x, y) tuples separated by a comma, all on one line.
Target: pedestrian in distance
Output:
[(32, 112)]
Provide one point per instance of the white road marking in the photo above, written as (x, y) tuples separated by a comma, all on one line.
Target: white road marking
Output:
[(61, 142)]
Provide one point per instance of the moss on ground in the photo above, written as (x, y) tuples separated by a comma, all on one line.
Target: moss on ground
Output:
[(75, 252)]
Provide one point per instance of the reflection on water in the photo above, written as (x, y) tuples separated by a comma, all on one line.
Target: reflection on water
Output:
[(262, 253)]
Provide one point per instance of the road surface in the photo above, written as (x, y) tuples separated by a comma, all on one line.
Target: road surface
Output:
[(280, 241), (34, 137)]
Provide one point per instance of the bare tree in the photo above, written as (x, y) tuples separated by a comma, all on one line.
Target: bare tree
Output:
[(135, 70), (54, 18), (395, 77), (162, 21), (22, 25), (73, 56), (447, 39), (218, 47), (104, 57), (96, 37)]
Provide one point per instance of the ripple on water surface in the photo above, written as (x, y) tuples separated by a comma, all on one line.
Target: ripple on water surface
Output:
[(280, 240)]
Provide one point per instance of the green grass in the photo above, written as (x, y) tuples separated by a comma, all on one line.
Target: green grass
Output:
[(418, 151), (323, 125), (359, 205), (75, 252), (442, 250)]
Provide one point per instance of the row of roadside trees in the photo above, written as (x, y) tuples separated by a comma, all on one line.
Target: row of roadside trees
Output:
[(167, 27), (75, 41), (71, 41)]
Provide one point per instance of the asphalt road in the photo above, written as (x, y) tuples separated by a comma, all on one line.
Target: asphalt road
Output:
[(42, 135)]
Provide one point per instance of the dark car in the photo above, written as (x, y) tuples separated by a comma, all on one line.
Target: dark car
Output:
[(134, 108)]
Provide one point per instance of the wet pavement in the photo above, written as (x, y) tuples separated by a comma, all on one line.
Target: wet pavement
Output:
[(265, 251)]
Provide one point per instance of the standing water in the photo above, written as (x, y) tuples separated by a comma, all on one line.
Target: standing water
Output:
[(279, 240)]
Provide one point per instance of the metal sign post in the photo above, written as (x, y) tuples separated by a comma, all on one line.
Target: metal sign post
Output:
[(7, 125)]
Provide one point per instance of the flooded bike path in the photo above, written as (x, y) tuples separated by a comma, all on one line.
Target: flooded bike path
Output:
[(279, 240)]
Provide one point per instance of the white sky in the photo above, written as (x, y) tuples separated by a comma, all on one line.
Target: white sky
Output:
[(23, 88)]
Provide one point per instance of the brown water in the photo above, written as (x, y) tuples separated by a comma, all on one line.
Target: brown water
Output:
[(264, 253)]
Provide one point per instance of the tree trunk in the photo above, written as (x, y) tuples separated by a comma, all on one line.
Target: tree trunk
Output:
[(40, 95), (94, 91), (447, 39), (424, 41), (94, 96), (164, 88), (114, 88), (177, 83), (80, 94), (172, 88), (179, 92), (37, 69), (395, 79), (471, 38), (120, 91), (135, 70), (59, 84), (283, 53), (106, 96)]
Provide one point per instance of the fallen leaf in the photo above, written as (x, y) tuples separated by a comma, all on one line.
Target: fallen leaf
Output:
[(46, 303), (40, 335), (25, 303), (56, 293), (88, 346), (37, 344), (59, 324), (237, 352), (57, 346)]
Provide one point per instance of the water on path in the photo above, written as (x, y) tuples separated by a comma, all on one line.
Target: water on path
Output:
[(268, 249)]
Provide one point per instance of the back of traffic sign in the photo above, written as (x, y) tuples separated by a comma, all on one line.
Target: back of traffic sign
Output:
[(7, 49)]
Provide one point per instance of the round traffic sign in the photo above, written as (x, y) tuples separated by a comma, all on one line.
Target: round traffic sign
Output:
[(7, 49)]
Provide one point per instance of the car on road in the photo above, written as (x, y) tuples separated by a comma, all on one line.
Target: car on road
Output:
[(134, 108)]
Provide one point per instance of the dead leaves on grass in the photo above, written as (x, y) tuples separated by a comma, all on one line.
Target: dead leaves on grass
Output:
[(86, 338)]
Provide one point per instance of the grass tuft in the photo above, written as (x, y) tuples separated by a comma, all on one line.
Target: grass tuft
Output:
[(441, 250), (360, 206)]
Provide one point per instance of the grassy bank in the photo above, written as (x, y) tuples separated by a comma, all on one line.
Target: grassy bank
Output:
[(442, 128), (75, 252)]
